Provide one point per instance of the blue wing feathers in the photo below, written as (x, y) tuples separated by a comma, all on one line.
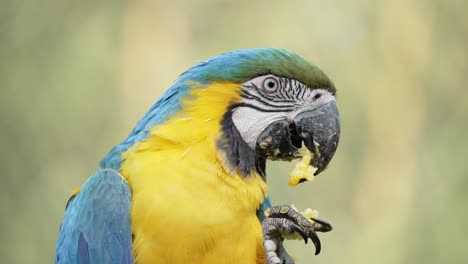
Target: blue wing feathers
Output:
[(96, 227), (83, 251)]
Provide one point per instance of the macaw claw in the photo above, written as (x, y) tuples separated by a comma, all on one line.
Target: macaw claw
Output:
[(316, 240), (285, 222), (321, 225), (299, 230)]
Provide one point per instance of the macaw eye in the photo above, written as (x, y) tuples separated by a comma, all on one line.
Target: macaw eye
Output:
[(270, 84)]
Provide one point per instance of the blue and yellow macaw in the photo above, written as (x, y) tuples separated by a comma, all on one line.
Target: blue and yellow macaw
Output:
[(188, 185)]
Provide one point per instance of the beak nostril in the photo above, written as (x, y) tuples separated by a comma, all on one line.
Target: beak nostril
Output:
[(295, 138)]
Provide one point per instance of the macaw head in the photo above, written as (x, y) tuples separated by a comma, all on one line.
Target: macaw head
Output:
[(286, 102)]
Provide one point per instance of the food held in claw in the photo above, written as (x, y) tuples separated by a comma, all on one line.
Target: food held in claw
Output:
[(307, 213), (303, 171)]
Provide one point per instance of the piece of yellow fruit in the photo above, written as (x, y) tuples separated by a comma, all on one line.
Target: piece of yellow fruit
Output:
[(309, 213), (302, 171)]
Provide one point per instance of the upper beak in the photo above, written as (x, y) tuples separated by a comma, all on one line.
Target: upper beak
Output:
[(320, 131)]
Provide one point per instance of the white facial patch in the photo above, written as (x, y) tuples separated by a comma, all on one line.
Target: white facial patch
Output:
[(251, 122)]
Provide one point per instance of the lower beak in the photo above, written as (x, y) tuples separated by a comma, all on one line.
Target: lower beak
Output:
[(319, 129)]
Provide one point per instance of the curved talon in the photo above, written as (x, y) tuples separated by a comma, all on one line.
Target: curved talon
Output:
[(287, 220), (299, 230), (313, 236), (323, 225)]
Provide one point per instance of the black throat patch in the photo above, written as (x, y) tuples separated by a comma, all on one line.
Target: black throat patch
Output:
[(238, 153)]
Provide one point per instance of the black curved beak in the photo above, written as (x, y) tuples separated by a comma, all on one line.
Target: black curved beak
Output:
[(318, 129)]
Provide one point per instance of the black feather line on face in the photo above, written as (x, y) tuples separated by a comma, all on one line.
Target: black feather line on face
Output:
[(238, 153), (276, 110), (269, 96), (247, 95), (284, 91), (301, 94)]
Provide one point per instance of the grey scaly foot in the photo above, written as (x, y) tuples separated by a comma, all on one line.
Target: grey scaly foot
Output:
[(283, 220)]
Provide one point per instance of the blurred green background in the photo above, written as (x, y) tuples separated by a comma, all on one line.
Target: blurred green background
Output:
[(75, 76)]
